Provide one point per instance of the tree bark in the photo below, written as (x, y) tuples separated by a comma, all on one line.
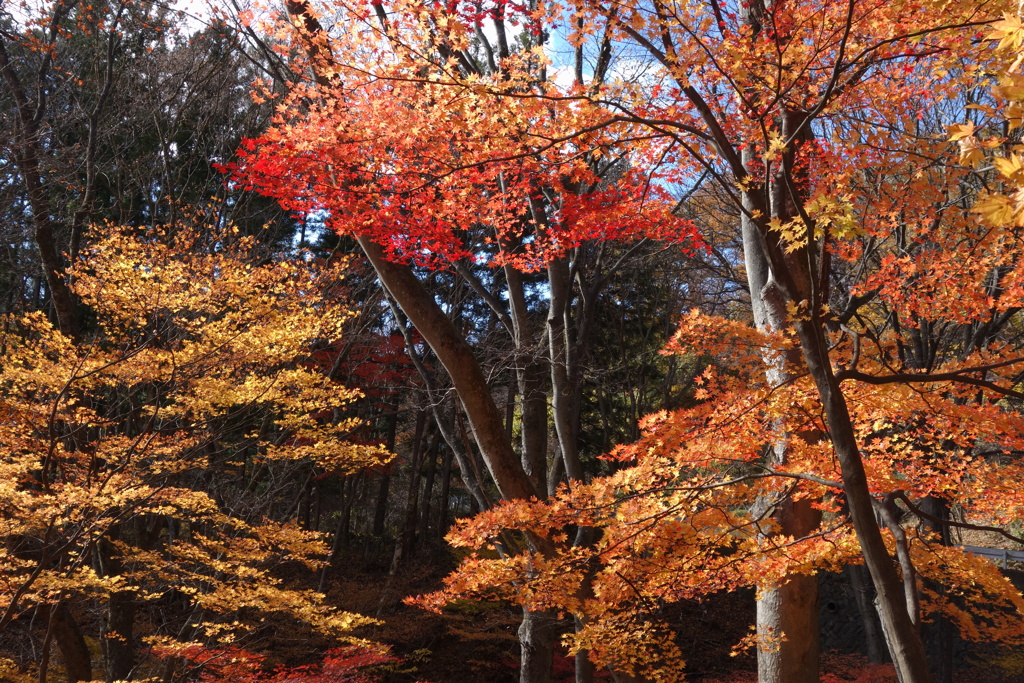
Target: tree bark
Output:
[(407, 534), (457, 357), (901, 634), (562, 390), (27, 154), (428, 486), (118, 631), (118, 626), (791, 610), (537, 634), (381, 510), (938, 633), (446, 481), (62, 627), (537, 645), (864, 594), (531, 385)]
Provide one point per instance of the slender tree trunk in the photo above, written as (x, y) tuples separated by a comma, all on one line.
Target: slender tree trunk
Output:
[(530, 379), (348, 491), (117, 631), (901, 634), (446, 483), (335, 546), (428, 486), (381, 510), (562, 390), (938, 633), (864, 594), (407, 534)]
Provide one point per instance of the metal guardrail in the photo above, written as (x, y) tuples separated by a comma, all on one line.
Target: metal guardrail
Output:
[(998, 554)]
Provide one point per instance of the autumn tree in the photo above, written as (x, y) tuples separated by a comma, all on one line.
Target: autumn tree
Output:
[(148, 467), (490, 229), (788, 107)]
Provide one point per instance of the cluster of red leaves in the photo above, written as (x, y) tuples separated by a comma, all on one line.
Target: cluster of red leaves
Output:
[(349, 664)]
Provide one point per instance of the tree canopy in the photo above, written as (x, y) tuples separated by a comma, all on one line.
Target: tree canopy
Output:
[(539, 191)]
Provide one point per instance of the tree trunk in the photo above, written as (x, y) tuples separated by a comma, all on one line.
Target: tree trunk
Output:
[(791, 610), (562, 390), (407, 534), (864, 594), (446, 483), (428, 486), (116, 639), (537, 644), (118, 626), (381, 510), (901, 634), (530, 379), (938, 632), (27, 155), (63, 628)]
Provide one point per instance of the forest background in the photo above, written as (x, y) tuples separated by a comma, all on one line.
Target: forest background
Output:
[(655, 311)]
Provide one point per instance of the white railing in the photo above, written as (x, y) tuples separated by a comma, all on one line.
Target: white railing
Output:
[(998, 554)]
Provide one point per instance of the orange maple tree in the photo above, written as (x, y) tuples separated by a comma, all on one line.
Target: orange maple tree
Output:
[(885, 305)]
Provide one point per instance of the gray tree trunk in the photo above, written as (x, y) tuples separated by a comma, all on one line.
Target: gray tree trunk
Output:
[(791, 609)]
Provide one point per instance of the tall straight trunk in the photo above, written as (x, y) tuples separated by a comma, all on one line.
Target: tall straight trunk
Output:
[(864, 594), (117, 636), (381, 510), (339, 535), (428, 486), (381, 507), (348, 491), (446, 483), (530, 372), (938, 633), (537, 634), (562, 389), (118, 624), (407, 533), (563, 404), (791, 610)]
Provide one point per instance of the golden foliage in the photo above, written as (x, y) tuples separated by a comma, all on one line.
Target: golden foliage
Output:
[(151, 442)]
